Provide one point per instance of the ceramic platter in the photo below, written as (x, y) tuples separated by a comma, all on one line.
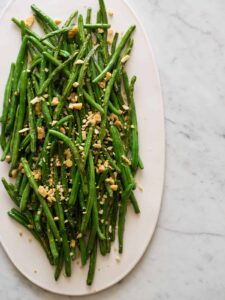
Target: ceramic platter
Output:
[(28, 256)]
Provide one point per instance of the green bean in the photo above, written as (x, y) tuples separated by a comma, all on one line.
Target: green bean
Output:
[(55, 72), (114, 110), (10, 191), (84, 69), (19, 125), (122, 215), (114, 42), (7, 95), (141, 165), (40, 198), (62, 121), (92, 237), (91, 194), (92, 265), (46, 19), (56, 32), (116, 55), (88, 16), (60, 213), (23, 184), (106, 102), (6, 150), (59, 265), (96, 26), (25, 197), (81, 28), (52, 244), (92, 102), (134, 131), (83, 252), (96, 219), (103, 11), (31, 118)]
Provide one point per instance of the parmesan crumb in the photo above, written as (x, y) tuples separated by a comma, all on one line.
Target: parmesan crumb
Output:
[(42, 191), (100, 30), (125, 59), (29, 21)]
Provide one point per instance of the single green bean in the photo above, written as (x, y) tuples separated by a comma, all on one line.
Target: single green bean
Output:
[(92, 265), (6, 103), (25, 197), (122, 215), (92, 102)]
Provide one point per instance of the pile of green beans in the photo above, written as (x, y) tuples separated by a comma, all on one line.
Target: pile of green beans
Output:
[(70, 133)]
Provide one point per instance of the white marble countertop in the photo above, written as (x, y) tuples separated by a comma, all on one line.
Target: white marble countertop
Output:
[(186, 258)]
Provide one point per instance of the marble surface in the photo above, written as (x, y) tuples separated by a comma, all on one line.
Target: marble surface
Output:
[(186, 258)]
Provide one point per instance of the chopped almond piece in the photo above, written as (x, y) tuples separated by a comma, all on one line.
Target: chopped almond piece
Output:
[(102, 84), (76, 106), (41, 132), (73, 32), (55, 101), (42, 191), (110, 13), (125, 59), (79, 62), (14, 173), (114, 187), (68, 163), (108, 76), (8, 158), (58, 21), (29, 21), (110, 31)]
